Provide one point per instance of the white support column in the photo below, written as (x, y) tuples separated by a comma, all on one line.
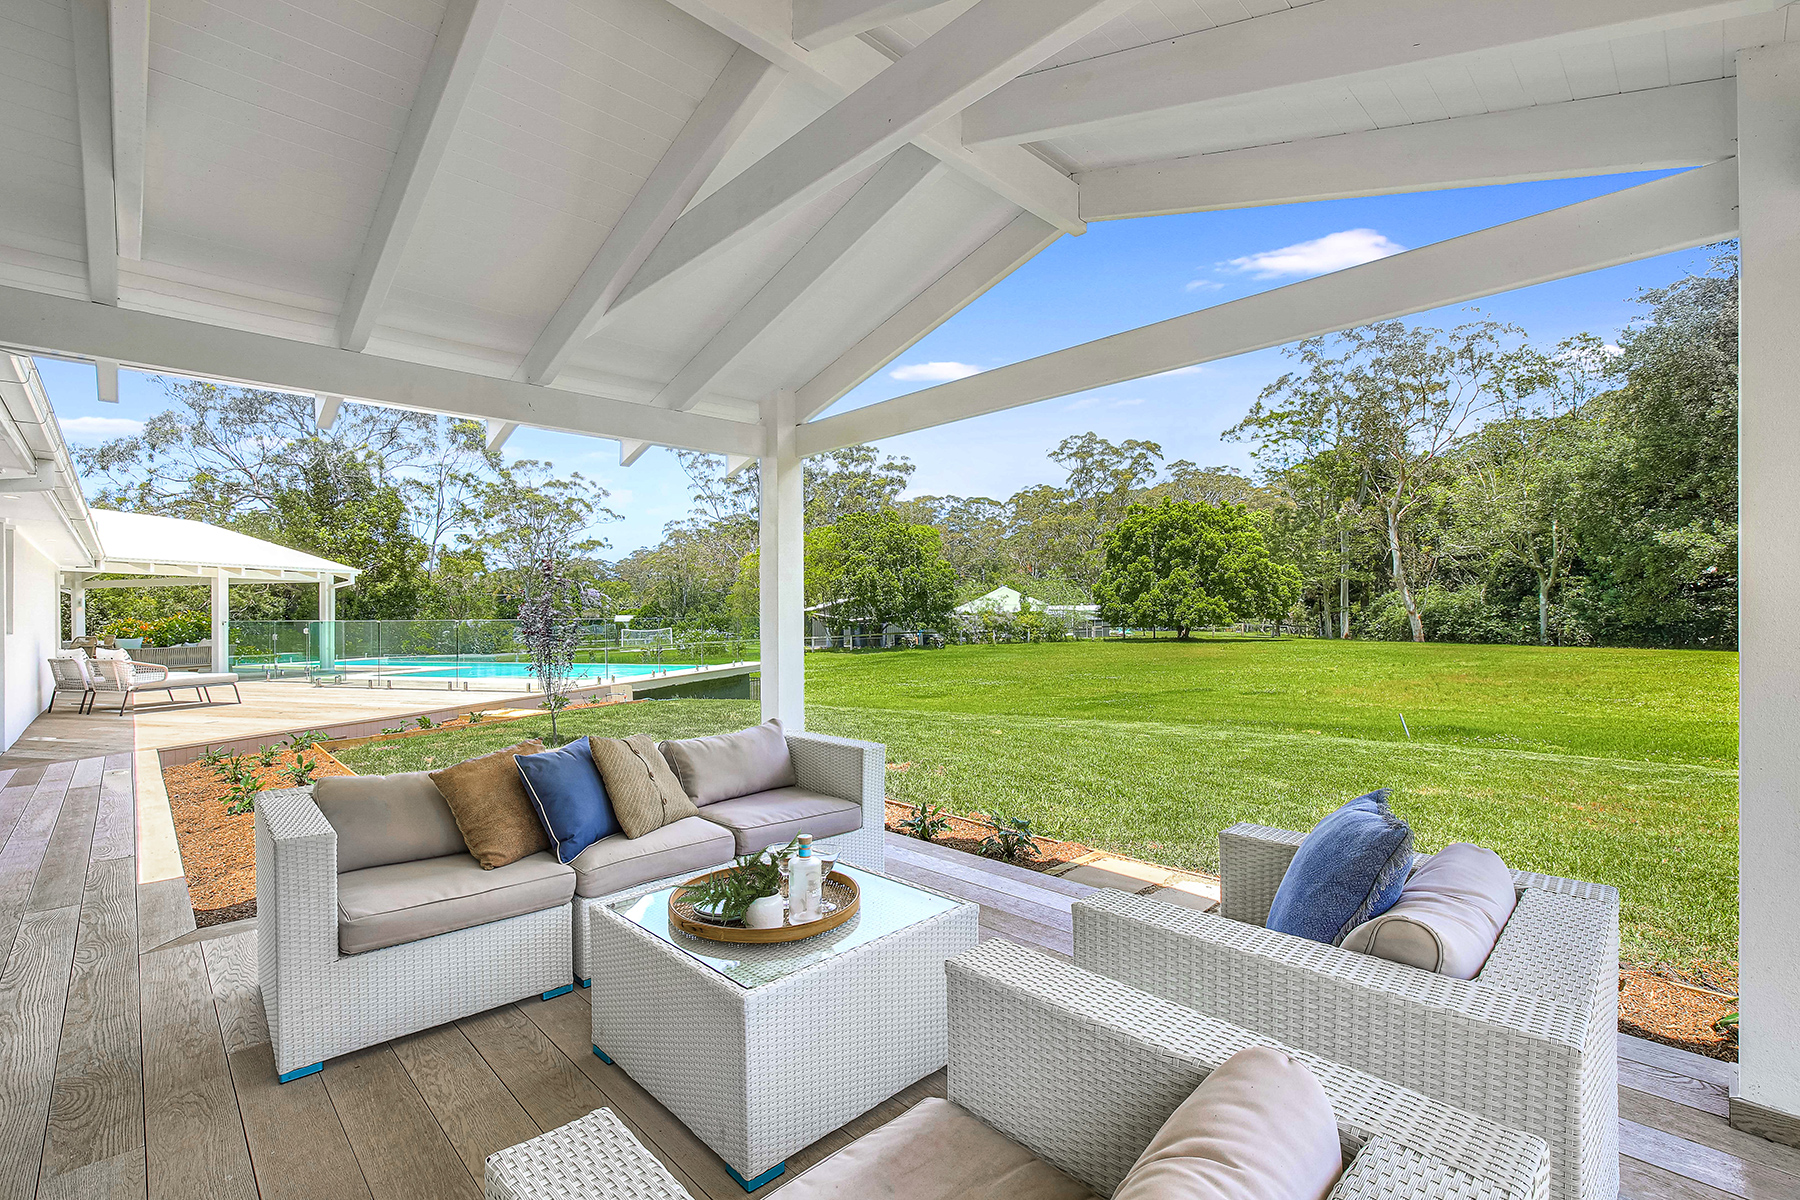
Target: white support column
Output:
[(77, 609), (782, 568), (327, 642), (1768, 1099), (220, 610)]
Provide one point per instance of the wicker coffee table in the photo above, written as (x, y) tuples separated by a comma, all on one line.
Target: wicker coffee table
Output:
[(763, 1049)]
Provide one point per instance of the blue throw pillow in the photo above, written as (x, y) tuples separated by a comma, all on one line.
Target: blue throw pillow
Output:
[(565, 788), (1348, 870)]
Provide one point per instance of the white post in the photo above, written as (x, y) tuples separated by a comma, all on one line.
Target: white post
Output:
[(326, 650), (1768, 1098), (782, 568), (77, 608), (220, 605)]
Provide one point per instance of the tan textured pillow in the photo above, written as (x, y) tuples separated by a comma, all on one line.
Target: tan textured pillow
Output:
[(644, 792), (488, 800)]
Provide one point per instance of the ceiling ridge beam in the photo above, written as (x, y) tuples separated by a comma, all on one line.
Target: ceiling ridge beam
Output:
[(1010, 172), (93, 114), (966, 59), (986, 265), (1673, 213), (1327, 40), (907, 170), (821, 22), (449, 77), (1683, 125), (738, 92), (33, 321), (128, 37)]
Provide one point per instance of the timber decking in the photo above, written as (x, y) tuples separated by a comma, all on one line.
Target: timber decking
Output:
[(134, 1057)]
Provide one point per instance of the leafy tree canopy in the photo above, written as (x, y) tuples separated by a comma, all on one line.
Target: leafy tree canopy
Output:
[(1181, 565)]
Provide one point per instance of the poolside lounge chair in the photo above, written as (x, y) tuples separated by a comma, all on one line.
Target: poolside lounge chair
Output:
[(70, 673), (128, 678)]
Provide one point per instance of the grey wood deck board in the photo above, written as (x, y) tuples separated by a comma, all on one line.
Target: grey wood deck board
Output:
[(63, 874), (164, 912), (115, 825), (33, 985), (472, 1106), (23, 855), (403, 1152), (231, 966), (297, 1144), (1002, 870)]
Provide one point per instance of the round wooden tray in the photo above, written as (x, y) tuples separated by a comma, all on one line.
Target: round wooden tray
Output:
[(843, 899)]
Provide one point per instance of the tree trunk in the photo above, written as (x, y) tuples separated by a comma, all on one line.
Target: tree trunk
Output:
[(1406, 597), (1543, 610), (1343, 582)]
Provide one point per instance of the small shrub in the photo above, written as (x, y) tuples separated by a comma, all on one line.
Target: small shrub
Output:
[(425, 723), (212, 756), (924, 822), (395, 729), (302, 742), (1012, 839), (242, 798), (303, 771), (268, 755)]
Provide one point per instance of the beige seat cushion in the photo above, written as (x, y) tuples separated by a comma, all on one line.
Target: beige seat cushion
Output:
[(1449, 915), (486, 796), (615, 863), (934, 1151), (731, 764), (403, 902), (644, 792), (383, 819), (1258, 1128), (777, 815)]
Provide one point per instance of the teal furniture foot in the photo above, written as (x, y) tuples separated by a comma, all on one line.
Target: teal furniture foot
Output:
[(301, 1073), (601, 1055), (553, 993), (750, 1185)]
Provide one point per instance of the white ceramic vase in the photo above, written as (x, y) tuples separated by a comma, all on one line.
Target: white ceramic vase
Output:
[(766, 912)]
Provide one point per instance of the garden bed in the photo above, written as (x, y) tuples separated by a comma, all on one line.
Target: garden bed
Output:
[(968, 835)]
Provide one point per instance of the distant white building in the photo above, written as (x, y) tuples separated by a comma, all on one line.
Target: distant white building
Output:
[(1004, 599)]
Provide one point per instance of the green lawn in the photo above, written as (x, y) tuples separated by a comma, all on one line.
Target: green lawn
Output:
[(1613, 765)]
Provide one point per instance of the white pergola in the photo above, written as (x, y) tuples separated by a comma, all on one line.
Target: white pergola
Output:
[(700, 223)]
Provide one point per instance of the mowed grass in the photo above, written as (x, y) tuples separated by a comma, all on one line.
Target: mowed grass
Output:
[(1560, 771)]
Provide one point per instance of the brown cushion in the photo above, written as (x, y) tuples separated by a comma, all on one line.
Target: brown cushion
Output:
[(615, 863), (934, 1151), (383, 819), (1258, 1128), (777, 815), (488, 800), (731, 764), (403, 902), (645, 794)]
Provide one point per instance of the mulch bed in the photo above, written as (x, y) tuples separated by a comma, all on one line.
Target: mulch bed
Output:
[(967, 835), (1660, 1009), (218, 848)]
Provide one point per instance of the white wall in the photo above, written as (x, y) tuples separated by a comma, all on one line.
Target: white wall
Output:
[(24, 679)]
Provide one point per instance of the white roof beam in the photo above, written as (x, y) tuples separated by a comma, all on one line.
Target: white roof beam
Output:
[(1682, 126), (128, 23), (34, 321), (737, 462), (1327, 40), (498, 432), (93, 111), (821, 22), (325, 410), (851, 225), (946, 296), (630, 450), (462, 38), (736, 95), (106, 380), (1010, 172), (1674, 213)]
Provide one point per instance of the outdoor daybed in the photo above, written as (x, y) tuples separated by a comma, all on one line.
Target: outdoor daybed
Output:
[(126, 678), (1058, 1080), (1529, 1043)]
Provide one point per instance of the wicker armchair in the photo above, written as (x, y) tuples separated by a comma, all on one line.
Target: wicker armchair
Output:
[(1528, 1044), (70, 677), (1082, 1071)]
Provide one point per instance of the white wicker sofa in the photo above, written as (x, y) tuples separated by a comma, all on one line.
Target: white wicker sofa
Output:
[(1529, 1043), (339, 977), (839, 784), (1052, 1063)]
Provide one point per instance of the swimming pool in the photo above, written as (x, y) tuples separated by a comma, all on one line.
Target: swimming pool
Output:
[(425, 669)]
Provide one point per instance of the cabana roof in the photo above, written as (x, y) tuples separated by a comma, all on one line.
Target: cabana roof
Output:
[(141, 544)]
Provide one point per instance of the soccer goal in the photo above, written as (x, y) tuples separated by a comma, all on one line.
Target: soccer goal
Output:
[(641, 639)]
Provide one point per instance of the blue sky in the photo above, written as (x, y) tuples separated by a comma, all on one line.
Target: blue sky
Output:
[(1117, 276)]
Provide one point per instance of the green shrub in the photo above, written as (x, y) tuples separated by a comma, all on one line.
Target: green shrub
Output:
[(179, 629)]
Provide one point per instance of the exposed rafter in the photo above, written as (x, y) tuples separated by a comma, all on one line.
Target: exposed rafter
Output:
[(630, 450), (462, 38), (325, 410), (93, 109), (129, 41), (498, 432), (909, 168), (737, 462), (821, 22), (106, 380), (1327, 40), (1669, 214), (1682, 126), (948, 295), (34, 321), (746, 81)]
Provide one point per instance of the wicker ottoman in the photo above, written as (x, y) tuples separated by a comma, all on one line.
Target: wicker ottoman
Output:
[(762, 1050), (593, 1158)]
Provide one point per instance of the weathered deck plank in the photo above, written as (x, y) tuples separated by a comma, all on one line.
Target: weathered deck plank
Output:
[(231, 966), (403, 1152), (63, 874), (33, 987), (297, 1144), (471, 1104)]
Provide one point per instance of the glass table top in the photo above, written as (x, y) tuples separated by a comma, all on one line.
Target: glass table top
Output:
[(887, 906)]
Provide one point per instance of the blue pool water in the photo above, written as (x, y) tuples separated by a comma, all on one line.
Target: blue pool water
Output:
[(415, 669)]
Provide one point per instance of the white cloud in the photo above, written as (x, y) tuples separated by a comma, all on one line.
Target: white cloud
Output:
[(933, 372), (92, 428), (1204, 285), (1333, 252), (1109, 401)]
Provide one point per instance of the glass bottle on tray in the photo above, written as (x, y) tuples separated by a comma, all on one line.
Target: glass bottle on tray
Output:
[(805, 885)]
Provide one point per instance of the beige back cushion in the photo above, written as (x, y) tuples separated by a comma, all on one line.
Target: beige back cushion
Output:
[(487, 797), (1258, 1128), (1448, 917), (732, 764), (383, 819), (645, 794)]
